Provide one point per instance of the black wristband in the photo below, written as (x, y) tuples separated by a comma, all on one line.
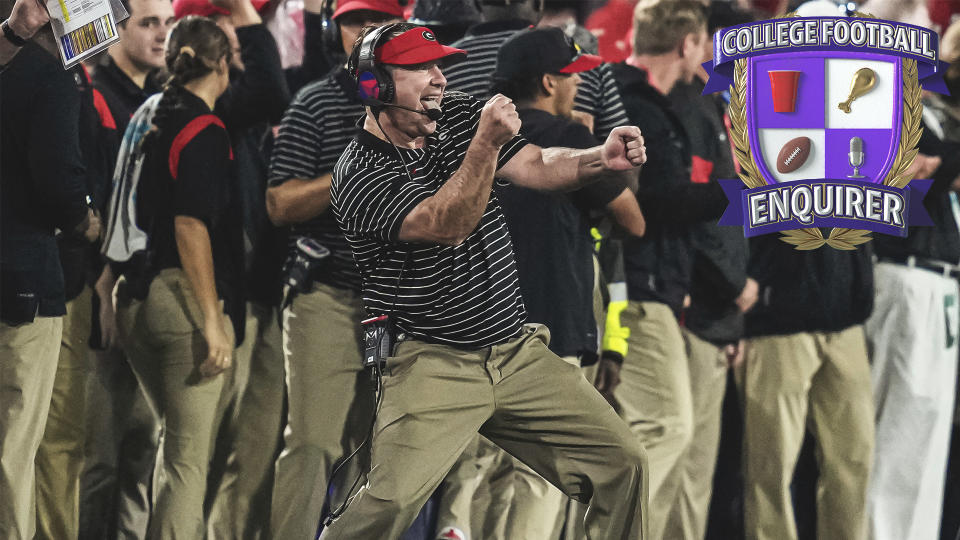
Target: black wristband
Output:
[(613, 356), (11, 36)]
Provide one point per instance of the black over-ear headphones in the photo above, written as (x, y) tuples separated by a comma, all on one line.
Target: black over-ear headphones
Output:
[(331, 30), (374, 83)]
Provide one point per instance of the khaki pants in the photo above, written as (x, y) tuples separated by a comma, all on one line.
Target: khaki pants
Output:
[(163, 338), (28, 367), (708, 383), (242, 505), (478, 492), (59, 459), (520, 396), (656, 400), (821, 379), (330, 406)]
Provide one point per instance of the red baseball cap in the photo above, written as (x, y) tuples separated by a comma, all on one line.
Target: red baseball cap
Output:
[(390, 7), (417, 46), (203, 8)]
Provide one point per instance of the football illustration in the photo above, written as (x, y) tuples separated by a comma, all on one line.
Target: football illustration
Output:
[(793, 154)]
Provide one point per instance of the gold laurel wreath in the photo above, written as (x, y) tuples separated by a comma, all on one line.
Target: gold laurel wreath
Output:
[(911, 128)]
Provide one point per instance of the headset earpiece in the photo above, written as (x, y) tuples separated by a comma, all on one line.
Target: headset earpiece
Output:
[(374, 83), (332, 43)]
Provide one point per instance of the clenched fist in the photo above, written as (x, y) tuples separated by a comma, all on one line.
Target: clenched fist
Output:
[(499, 121), (623, 150)]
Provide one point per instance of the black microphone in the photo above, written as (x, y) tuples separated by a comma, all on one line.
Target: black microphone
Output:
[(433, 113)]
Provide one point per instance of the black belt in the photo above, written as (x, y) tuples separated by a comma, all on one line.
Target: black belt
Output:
[(931, 265)]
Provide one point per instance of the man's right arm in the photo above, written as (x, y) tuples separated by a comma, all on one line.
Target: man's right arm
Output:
[(298, 191), (452, 213), (298, 200), (27, 17)]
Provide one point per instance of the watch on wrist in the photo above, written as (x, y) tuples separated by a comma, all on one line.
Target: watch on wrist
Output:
[(11, 36)]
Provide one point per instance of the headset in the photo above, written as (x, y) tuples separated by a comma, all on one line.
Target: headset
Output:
[(331, 30), (374, 83)]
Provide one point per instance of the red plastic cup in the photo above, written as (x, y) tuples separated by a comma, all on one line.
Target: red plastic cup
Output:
[(783, 86)]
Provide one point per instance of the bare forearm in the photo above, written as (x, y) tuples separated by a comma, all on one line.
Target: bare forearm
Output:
[(26, 18), (568, 169), (298, 200), (196, 258), (454, 211)]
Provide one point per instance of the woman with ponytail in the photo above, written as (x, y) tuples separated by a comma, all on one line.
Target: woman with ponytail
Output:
[(173, 325)]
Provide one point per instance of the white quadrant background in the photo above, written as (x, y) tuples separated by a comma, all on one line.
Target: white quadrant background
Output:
[(873, 110), (773, 139)]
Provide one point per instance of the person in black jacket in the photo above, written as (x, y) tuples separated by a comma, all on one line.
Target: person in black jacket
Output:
[(654, 394), (806, 360), (44, 184), (720, 292)]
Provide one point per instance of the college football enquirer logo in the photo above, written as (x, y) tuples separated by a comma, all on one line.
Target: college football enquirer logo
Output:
[(825, 119)]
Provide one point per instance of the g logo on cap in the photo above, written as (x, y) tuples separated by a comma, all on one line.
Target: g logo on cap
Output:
[(427, 35)]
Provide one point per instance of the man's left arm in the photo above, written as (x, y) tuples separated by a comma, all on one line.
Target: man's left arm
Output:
[(566, 169), (260, 93)]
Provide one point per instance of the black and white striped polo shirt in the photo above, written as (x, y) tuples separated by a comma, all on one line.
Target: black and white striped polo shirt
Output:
[(466, 295), (597, 95), (318, 125)]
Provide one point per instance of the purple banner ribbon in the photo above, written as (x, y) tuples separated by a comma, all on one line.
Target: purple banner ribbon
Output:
[(783, 36), (825, 203)]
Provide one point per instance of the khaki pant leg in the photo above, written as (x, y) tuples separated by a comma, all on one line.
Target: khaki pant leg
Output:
[(708, 383), (330, 405), (841, 409), (435, 398), (28, 367), (538, 507), (549, 417), (655, 400), (242, 506), (166, 346), (59, 459), (470, 500), (776, 377)]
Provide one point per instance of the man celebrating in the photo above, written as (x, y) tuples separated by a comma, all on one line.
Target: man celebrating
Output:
[(413, 194)]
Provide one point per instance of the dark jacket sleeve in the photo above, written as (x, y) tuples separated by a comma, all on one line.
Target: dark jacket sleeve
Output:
[(721, 253), (259, 94), (53, 145)]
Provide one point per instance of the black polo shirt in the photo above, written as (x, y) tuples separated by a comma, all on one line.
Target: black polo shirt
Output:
[(466, 295), (316, 128), (122, 95), (198, 185), (551, 240)]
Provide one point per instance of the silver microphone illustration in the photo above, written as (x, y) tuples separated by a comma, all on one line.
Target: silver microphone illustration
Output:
[(856, 157)]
